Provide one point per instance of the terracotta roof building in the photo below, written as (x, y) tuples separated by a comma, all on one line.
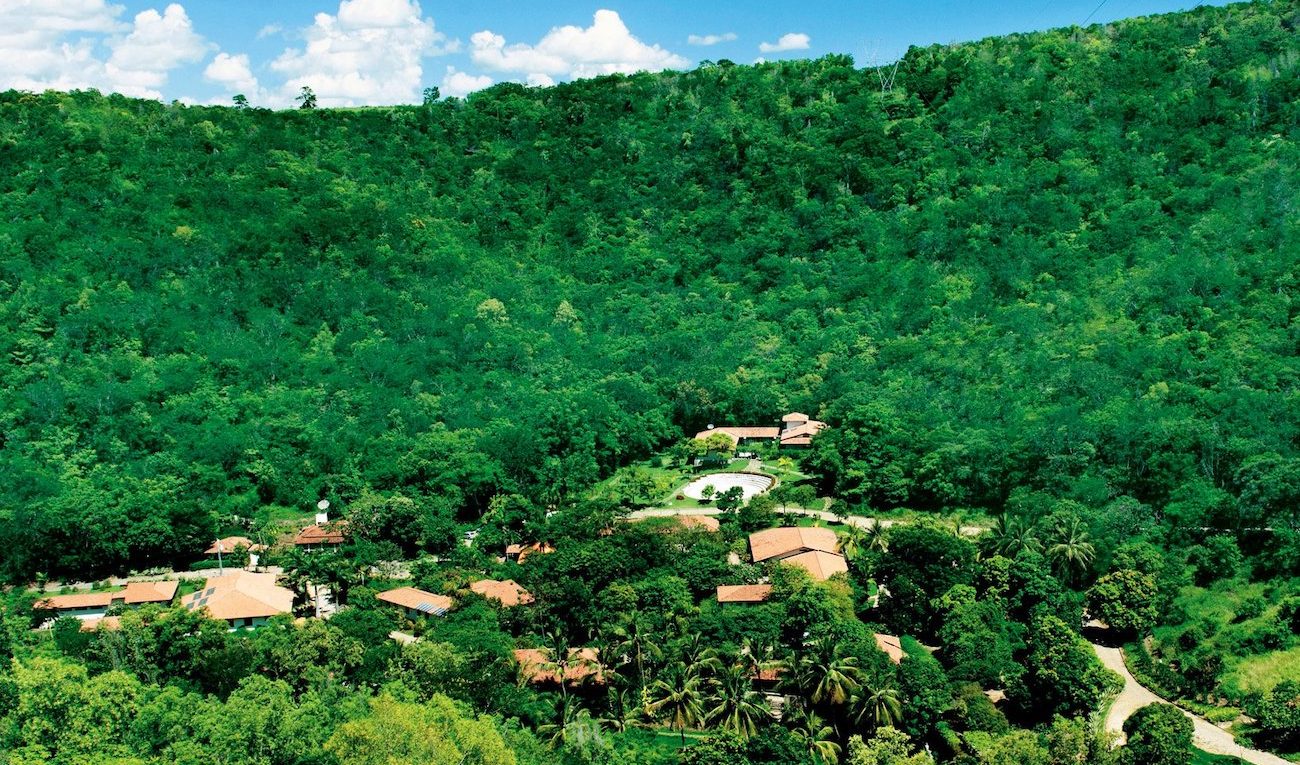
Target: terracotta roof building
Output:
[(230, 544), (797, 429), (319, 535), (137, 593), (892, 647), (738, 434), (241, 598), (83, 605), (812, 549), (507, 593), (744, 593), (536, 666), (108, 623), (821, 565), (791, 540), (417, 602), (521, 552), (93, 605)]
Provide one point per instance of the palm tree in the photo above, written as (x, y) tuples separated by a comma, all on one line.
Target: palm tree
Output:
[(878, 707), (559, 647), (635, 642), (737, 707), (826, 676), (696, 653), (1069, 551), (876, 537), (677, 696), (1010, 536), (756, 654), (574, 724), (622, 710), (816, 735)]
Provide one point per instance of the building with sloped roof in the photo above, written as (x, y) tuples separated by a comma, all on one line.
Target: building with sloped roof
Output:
[(744, 593), (242, 599), (416, 602), (507, 593), (94, 605), (814, 549)]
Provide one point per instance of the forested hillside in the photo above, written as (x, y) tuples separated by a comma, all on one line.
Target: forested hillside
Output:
[(1031, 268)]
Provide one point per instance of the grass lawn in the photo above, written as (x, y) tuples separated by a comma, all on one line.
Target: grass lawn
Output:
[(1259, 674)]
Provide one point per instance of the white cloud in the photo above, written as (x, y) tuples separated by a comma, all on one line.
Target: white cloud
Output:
[(606, 47), (68, 44), (158, 43), (369, 53), (791, 41), (539, 80), (710, 39), (269, 30), (232, 73), (461, 84)]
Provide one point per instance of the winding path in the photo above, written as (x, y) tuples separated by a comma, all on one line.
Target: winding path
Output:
[(851, 520), (1208, 736)]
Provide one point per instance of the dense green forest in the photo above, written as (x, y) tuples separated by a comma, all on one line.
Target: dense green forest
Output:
[(1049, 280), (1059, 262)]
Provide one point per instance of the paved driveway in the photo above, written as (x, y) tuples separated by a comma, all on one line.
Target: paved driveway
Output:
[(1208, 736)]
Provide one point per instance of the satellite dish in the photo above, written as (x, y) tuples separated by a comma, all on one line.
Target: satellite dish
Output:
[(324, 504)]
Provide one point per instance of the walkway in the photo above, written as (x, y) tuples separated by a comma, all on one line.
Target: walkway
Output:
[(851, 520), (1208, 736)]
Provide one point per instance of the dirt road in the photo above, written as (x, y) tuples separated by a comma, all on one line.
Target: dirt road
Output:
[(1208, 736)]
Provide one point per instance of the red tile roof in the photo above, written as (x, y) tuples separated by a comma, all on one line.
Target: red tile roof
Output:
[(744, 593), (229, 544), (150, 592), (784, 542), (821, 565), (507, 593), (241, 595), (736, 433), (536, 666), (76, 600), (417, 600), (109, 623), (322, 534), (523, 551)]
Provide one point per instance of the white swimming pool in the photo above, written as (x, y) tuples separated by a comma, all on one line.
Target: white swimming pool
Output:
[(749, 483)]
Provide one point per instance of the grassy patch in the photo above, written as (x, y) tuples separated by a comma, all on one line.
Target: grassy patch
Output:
[(1259, 674)]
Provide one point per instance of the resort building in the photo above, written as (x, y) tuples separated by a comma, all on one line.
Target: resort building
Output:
[(796, 430), (95, 605), (415, 602), (242, 599), (813, 549), (537, 667), (744, 593), (229, 545), (322, 536), (507, 593), (520, 552)]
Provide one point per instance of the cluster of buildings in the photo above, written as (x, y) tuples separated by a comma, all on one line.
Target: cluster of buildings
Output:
[(796, 430), (813, 549)]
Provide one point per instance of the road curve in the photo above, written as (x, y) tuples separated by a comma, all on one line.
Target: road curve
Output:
[(1208, 736)]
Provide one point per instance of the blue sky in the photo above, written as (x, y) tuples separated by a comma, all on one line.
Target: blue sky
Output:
[(354, 52)]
